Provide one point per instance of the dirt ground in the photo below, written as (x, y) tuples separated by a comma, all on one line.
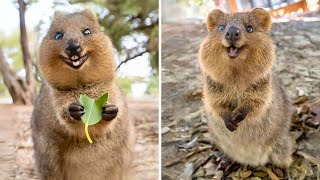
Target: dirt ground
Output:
[(186, 149), (16, 154)]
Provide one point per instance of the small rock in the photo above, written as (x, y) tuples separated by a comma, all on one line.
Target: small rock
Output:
[(164, 130)]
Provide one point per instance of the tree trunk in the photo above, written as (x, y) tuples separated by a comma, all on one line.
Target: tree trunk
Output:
[(22, 91), (30, 81), (24, 43), (17, 87)]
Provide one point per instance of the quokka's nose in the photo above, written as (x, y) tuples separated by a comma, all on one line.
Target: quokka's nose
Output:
[(232, 34), (73, 49)]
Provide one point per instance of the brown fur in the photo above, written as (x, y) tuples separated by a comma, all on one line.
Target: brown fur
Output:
[(245, 87), (61, 148)]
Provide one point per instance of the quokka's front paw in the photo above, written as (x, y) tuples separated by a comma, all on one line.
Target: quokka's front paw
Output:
[(232, 121), (109, 112), (227, 118), (231, 125), (237, 117), (75, 111)]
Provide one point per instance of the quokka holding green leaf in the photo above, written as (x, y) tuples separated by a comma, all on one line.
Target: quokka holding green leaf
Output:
[(77, 59)]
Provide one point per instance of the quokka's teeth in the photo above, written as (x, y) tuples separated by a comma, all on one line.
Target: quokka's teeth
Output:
[(76, 63), (74, 57)]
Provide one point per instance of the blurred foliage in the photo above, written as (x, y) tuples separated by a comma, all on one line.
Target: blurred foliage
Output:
[(124, 83), (3, 89), (130, 20), (153, 86), (12, 47)]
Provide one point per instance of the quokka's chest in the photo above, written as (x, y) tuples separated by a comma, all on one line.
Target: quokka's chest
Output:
[(228, 98)]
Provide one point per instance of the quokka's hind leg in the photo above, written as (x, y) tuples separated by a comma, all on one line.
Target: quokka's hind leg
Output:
[(281, 155)]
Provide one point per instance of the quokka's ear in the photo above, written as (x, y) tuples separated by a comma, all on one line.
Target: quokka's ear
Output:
[(59, 15), (263, 18), (89, 14), (213, 18)]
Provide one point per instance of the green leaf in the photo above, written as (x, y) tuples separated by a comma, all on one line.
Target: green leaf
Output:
[(92, 108)]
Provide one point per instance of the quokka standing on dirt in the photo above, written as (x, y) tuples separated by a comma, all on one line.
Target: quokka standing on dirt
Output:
[(246, 106), (76, 58)]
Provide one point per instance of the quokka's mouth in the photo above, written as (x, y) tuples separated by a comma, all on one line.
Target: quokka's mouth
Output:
[(233, 51), (75, 61)]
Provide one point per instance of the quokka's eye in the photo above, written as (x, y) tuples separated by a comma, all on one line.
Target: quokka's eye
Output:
[(58, 36), (86, 32), (221, 27), (249, 29)]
